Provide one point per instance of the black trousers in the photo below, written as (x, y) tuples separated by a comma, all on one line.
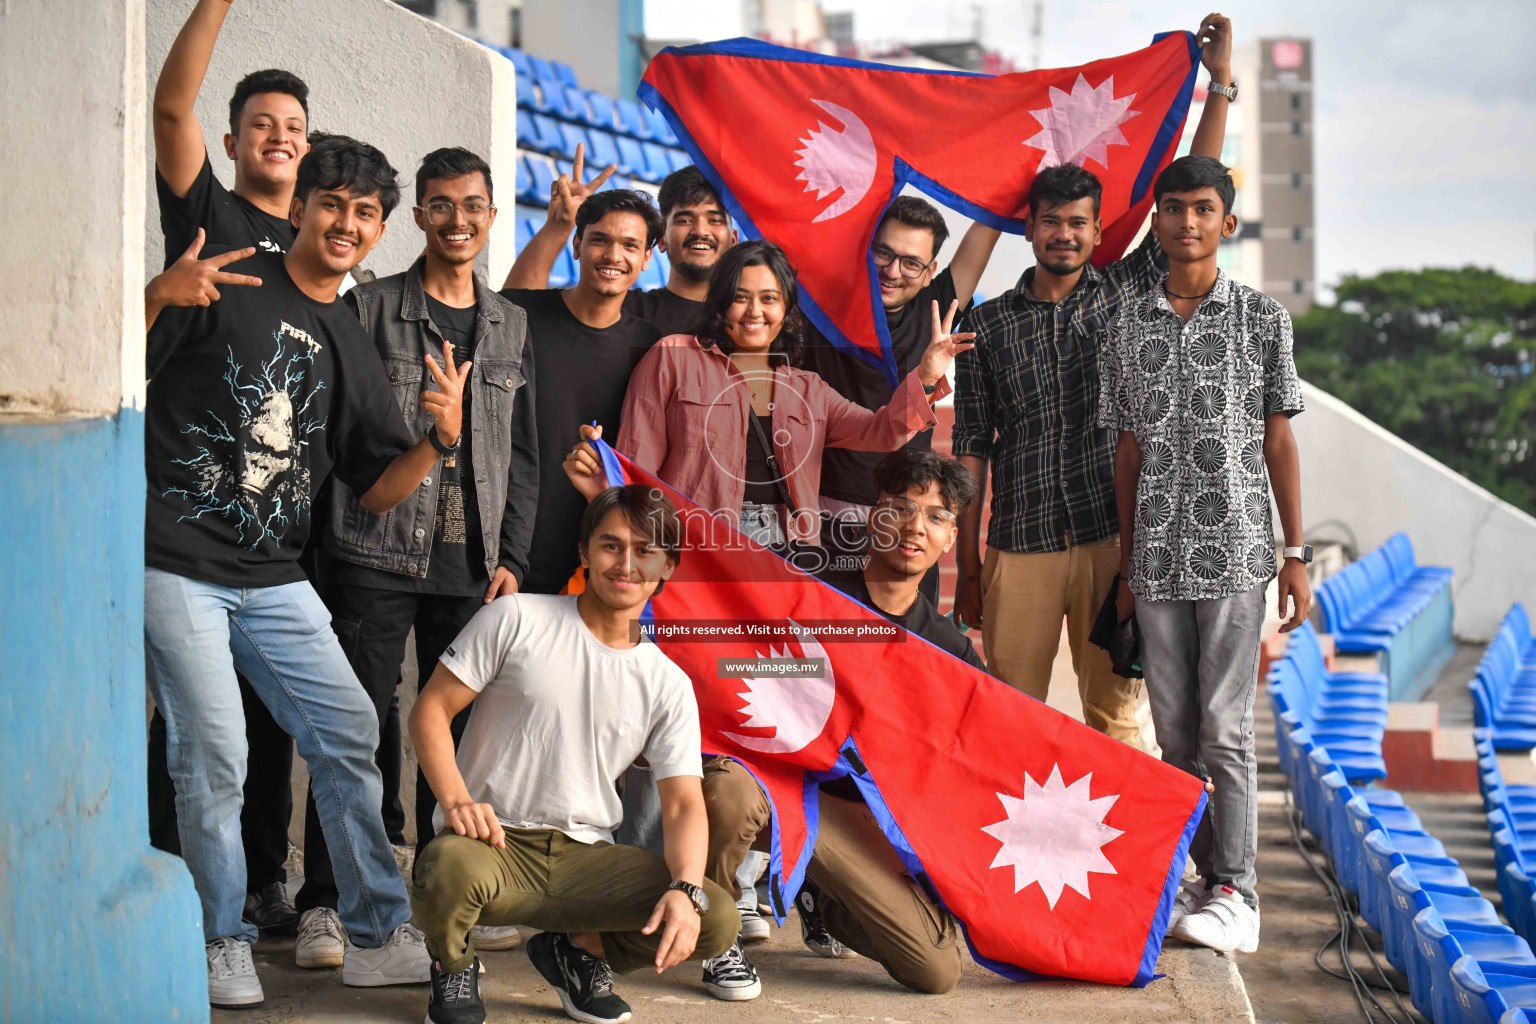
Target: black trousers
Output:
[(372, 625), (268, 799)]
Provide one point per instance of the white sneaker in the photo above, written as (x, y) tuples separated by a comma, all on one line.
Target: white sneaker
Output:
[(753, 927), (1225, 924), (232, 981), (494, 936), (1190, 899), (402, 960), (322, 940)]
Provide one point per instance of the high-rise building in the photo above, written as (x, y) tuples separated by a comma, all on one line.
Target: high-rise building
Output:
[(1269, 148)]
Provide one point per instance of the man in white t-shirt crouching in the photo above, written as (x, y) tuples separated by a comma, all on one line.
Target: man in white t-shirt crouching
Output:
[(567, 699)]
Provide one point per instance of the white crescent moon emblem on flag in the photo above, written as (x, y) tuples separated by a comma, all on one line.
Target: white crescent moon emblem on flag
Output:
[(833, 160)]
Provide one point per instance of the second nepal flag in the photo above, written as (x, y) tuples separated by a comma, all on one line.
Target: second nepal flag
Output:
[(808, 150), (1057, 848)]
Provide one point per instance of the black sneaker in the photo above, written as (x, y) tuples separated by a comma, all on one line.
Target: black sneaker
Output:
[(731, 976), (269, 910), (456, 997), (585, 982), (813, 930)]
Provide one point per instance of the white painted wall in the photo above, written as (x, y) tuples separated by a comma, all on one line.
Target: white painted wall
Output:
[(72, 202), (581, 33), (376, 72), (1355, 472)]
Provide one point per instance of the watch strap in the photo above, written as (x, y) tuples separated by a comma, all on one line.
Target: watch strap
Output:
[(1229, 90), (437, 443), (693, 892), (1303, 552)]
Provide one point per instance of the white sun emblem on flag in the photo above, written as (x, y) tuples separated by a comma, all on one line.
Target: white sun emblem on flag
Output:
[(1054, 836), (1083, 124)]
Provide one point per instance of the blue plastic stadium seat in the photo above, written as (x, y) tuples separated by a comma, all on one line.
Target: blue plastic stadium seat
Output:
[(1439, 947), (633, 120), (541, 179), (660, 130), (527, 131), (650, 277), (1487, 996), (518, 58), (564, 72), (632, 158), (657, 166), (539, 68), (602, 150), (525, 192), (602, 113), (572, 136), (678, 159), (551, 138), (528, 97)]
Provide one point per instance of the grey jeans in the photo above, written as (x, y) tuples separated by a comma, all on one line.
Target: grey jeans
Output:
[(1201, 660)]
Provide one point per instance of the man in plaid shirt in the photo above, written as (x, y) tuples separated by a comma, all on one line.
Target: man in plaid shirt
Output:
[(1026, 405)]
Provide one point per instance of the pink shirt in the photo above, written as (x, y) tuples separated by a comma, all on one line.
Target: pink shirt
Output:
[(685, 419)]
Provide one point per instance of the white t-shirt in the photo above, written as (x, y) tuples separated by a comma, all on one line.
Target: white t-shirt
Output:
[(561, 715)]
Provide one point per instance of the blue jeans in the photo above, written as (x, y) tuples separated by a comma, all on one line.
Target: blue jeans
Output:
[(196, 636)]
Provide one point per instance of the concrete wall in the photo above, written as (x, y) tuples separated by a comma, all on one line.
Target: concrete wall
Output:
[(1357, 474), (582, 33), (376, 72), (93, 923)]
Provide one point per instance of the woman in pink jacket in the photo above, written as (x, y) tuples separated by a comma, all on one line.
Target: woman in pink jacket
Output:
[(728, 418)]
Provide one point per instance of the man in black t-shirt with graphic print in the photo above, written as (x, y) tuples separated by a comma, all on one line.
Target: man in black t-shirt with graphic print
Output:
[(268, 126), (253, 401)]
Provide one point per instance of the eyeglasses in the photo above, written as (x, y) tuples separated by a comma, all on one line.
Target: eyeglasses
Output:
[(474, 212), (911, 266), (905, 508)]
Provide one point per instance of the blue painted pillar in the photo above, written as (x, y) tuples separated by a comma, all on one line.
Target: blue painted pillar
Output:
[(94, 924)]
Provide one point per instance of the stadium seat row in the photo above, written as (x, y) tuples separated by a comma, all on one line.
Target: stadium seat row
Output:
[(1504, 690), (1370, 600), (1462, 962), (550, 87), (648, 161)]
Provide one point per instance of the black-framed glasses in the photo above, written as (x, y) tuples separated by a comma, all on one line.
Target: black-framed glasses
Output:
[(911, 266), (441, 212), (905, 508)]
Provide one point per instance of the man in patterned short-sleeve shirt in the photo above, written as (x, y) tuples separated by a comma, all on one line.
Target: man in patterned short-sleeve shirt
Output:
[(1198, 379)]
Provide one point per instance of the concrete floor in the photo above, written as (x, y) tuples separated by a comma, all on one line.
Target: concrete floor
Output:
[(798, 987)]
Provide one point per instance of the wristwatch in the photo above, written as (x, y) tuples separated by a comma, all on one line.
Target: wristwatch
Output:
[(695, 893), (1229, 91), (436, 442), (1304, 552)]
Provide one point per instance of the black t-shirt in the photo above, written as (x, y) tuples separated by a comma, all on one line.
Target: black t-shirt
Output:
[(669, 313), (583, 374), (228, 221), (252, 402), (456, 566), (849, 475), (922, 619)]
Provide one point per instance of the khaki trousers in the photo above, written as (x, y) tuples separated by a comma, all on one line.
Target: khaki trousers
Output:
[(869, 902), (1023, 600), (546, 880)]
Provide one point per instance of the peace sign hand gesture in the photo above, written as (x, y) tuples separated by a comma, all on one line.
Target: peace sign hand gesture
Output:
[(447, 403), (944, 346), (194, 282), (569, 192)]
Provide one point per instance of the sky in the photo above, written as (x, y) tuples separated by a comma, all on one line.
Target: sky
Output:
[(1425, 125)]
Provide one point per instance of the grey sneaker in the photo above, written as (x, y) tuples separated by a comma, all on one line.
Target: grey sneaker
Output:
[(753, 927), (402, 960), (488, 938), (731, 976), (322, 940), (232, 981)]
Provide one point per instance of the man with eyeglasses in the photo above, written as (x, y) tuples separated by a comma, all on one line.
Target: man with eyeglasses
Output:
[(462, 539), (857, 895), (905, 251)]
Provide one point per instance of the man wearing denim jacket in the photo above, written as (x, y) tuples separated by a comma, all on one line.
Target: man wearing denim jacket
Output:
[(462, 539)]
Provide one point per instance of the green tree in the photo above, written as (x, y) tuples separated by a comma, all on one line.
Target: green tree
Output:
[(1445, 359)]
